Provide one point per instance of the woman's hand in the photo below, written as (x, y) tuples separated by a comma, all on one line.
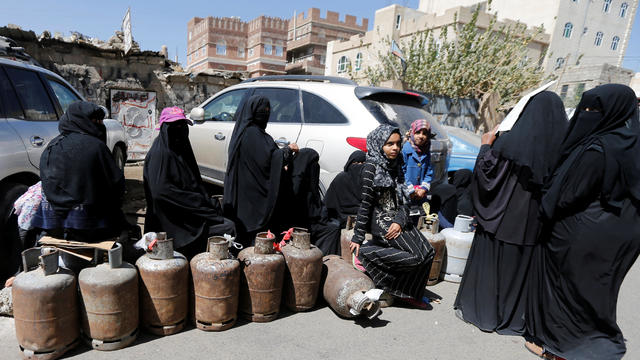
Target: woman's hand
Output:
[(294, 147), (489, 137), (420, 193), (394, 231), (354, 247)]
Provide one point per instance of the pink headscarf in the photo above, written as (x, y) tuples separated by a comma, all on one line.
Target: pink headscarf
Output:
[(416, 126)]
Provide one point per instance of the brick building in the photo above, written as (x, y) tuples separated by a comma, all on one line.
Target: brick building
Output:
[(308, 36), (230, 44)]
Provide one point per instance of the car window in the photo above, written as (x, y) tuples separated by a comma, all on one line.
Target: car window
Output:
[(64, 94), (10, 104), (224, 107), (402, 115), (319, 111), (284, 104), (32, 94)]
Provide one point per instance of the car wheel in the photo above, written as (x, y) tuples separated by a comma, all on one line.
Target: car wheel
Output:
[(118, 156), (11, 246)]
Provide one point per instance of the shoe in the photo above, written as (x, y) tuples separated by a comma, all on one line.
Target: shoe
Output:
[(385, 300), (418, 304), (357, 264), (540, 352)]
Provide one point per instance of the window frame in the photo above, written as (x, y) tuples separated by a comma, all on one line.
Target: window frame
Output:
[(606, 6), (58, 104), (245, 91), (328, 103), (623, 9), (559, 63), (47, 89), (221, 47), (358, 64), (598, 39), (342, 65), (568, 30), (615, 41), (274, 111), (398, 22)]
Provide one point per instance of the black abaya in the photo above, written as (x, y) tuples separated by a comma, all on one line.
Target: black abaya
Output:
[(345, 192)]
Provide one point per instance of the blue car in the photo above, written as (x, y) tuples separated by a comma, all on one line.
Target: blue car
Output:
[(465, 148)]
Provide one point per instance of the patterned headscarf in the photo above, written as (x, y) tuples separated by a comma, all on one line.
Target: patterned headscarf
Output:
[(416, 126), (387, 171)]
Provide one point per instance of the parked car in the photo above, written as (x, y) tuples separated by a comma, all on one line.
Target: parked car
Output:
[(466, 145), (32, 99), (329, 114)]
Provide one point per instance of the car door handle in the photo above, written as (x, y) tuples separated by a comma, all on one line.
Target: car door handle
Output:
[(219, 136), (282, 142), (37, 141)]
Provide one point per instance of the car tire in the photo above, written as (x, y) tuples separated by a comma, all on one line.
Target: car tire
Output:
[(119, 157), (11, 246)]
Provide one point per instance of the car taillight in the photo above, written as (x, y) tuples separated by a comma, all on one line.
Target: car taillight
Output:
[(358, 143)]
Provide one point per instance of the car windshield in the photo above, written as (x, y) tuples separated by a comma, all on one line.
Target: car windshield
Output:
[(401, 115)]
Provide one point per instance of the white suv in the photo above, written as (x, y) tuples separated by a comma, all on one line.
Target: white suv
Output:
[(32, 99), (329, 114)]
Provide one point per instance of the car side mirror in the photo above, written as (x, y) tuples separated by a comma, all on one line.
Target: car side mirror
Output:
[(196, 114)]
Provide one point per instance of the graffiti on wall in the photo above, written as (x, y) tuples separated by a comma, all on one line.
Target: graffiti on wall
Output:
[(136, 111)]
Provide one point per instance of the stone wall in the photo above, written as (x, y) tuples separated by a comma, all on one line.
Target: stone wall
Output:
[(93, 70)]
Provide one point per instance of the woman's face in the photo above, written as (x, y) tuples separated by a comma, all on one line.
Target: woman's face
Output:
[(391, 147), (420, 137)]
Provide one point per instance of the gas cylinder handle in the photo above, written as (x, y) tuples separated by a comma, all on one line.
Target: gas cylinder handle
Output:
[(115, 256), (218, 247), (31, 259), (301, 238), (49, 260), (350, 222)]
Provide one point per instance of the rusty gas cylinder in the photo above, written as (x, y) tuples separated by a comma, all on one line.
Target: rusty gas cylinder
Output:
[(216, 281), (429, 226), (345, 238), (164, 287), (45, 306), (109, 302), (261, 280), (345, 289), (303, 273)]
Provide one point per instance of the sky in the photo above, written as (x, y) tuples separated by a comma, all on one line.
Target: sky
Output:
[(161, 22)]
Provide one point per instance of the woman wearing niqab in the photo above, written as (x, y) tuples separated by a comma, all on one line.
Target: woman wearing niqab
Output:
[(344, 194), (506, 190), (591, 232)]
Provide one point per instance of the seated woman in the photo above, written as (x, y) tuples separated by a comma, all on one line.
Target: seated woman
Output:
[(257, 190), (398, 258), (416, 154), (81, 183), (344, 194), (177, 201)]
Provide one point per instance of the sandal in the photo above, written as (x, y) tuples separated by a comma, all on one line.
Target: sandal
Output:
[(540, 352), (418, 304), (357, 264)]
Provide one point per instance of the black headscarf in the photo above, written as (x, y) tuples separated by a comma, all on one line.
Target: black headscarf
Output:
[(77, 167), (614, 128), (387, 171), (533, 143), (345, 192), (254, 169), (177, 201)]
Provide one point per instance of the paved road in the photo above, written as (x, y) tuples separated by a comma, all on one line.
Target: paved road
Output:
[(319, 334)]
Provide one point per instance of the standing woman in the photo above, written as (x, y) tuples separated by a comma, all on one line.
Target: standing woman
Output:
[(255, 173), (506, 191), (398, 257), (591, 236)]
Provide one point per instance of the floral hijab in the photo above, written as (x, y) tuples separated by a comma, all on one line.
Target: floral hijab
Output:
[(388, 172), (416, 126)]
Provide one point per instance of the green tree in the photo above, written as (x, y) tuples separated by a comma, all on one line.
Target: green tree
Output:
[(473, 62)]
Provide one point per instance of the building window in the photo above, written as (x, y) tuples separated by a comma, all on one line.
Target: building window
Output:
[(579, 90), (342, 64), (279, 50), (358, 61), (623, 9), (598, 40), (190, 34), (568, 27), (614, 43), (563, 91), (221, 48), (559, 63), (202, 51), (606, 6), (250, 52), (321, 34), (268, 49), (398, 21), (241, 51)]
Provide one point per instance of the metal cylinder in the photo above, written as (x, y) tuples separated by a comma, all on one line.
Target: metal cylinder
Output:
[(344, 289), (261, 281), (303, 273), (345, 238), (164, 288), (45, 306), (216, 282), (109, 302), (429, 227)]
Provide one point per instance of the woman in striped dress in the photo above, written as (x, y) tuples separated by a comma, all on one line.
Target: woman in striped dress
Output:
[(398, 257)]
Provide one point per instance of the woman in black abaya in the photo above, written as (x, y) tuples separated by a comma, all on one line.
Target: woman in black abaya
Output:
[(506, 190), (591, 233), (345, 192), (177, 201), (256, 190)]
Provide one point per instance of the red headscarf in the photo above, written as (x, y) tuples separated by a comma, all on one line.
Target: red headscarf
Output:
[(416, 126)]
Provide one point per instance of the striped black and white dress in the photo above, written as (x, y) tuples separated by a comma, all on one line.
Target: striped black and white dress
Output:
[(399, 266)]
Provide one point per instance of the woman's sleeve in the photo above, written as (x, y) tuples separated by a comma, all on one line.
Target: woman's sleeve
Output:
[(366, 205), (402, 216), (585, 180)]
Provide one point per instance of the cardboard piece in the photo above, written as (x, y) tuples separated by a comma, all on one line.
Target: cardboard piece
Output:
[(80, 249), (514, 114)]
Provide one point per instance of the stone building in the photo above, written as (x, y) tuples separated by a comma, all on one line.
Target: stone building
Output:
[(308, 36), (257, 47)]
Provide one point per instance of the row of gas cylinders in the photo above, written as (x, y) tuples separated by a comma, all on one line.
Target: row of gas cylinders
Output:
[(107, 303)]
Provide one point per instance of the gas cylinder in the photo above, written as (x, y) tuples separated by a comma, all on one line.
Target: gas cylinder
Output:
[(216, 281), (45, 306), (164, 287), (347, 290), (261, 280), (458, 240), (429, 226), (109, 302), (304, 270), (345, 238)]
